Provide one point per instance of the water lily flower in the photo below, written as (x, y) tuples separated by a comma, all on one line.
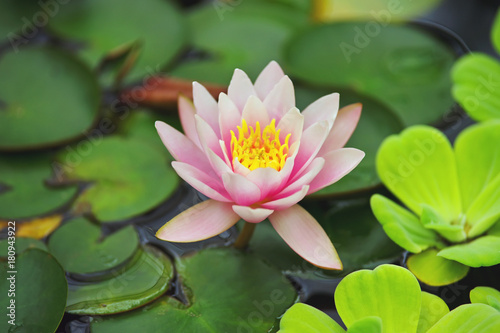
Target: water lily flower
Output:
[(255, 155)]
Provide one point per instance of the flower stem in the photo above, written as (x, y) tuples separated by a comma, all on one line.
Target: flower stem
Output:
[(245, 236)]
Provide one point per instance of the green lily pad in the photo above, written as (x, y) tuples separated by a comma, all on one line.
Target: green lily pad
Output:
[(126, 178), (145, 280), (469, 318), (27, 194), (226, 291), (435, 270), (81, 248), (155, 29), (475, 78), (486, 295), (60, 102), (483, 251), (20, 245), (306, 319), (411, 75), (40, 293)]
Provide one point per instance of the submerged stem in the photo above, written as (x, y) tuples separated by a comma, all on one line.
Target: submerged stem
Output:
[(245, 235)]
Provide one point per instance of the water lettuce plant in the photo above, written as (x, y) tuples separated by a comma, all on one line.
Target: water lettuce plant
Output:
[(452, 197), (476, 79), (255, 155), (389, 299)]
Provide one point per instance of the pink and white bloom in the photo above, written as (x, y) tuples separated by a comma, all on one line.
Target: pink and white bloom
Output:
[(255, 155)]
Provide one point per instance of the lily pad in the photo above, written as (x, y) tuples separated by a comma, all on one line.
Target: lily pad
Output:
[(145, 280), (155, 28), (411, 75), (26, 193), (81, 247), (126, 178), (226, 291), (60, 102), (13, 28), (40, 290)]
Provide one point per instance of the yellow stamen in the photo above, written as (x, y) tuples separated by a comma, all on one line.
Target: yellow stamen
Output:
[(255, 150)]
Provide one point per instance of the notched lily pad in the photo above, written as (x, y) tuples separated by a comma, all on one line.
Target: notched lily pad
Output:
[(81, 247), (145, 280), (227, 291), (49, 98)]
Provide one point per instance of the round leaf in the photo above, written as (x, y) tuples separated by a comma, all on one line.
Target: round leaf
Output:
[(81, 247), (434, 270), (144, 281), (60, 102)]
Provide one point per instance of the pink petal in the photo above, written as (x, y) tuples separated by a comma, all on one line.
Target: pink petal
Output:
[(181, 148), (186, 115), (217, 164), (242, 191), (204, 220), (310, 144), (338, 163), (307, 176), (202, 182), (342, 129), (254, 112), (306, 237), (267, 79), (206, 106), (208, 138), (325, 108), (280, 99), (240, 168), (268, 180), (288, 201), (252, 215), (240, 88), (229, 118), (291, 123)]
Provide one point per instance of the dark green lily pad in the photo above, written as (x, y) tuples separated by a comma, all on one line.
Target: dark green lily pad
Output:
[(81, 248), (411, 74), (49, 98), (40, 293), (21, 244), (26, 194), (18, 22), (145, 280), (126, 178), (227, 291), (155, 28)]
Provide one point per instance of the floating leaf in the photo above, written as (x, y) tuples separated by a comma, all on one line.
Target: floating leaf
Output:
[(81, 247), (39, 228), (40, 293), (60, 102), (483, 251), (412, 75), (155, 28), (27, 194), (127, 178), (145, 280), (469, 318), (434, 270), (16, 21), (306, 319), (220, 285)]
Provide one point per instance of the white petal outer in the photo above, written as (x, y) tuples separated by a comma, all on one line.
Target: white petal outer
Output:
[(208, 137), (325, 108), (217, 164), (206, 106), (186, 115), (240, 88), (267, 79), (291, 123), (306, 237), (338, 163), (280, 99), (268, 180), (242, 191), (310, 144), (252, 215), (204, 220), (255, 111), (181, 148), (209, 186), (288, 201), (307, 176), (229, 118), (343, 127)]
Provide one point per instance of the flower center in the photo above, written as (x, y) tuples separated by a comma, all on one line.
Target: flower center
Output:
[(255, 150)]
